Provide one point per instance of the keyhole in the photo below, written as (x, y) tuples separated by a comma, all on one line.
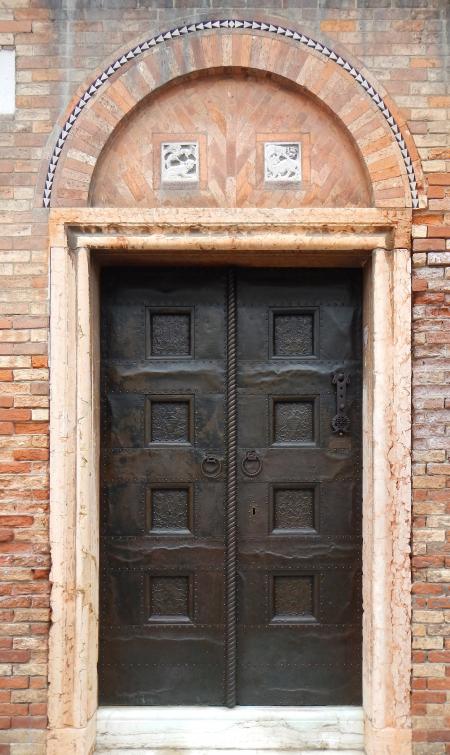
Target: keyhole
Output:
[(254, 511)]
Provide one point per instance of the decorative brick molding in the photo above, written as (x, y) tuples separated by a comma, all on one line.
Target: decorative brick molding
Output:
[(409, 168)]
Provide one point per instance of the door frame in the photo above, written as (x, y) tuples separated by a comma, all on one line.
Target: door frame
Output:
[(81, 240)]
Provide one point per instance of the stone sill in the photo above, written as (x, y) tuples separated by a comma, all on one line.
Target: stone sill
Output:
[(266, 730)]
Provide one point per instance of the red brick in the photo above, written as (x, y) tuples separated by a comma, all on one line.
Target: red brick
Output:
[(436, 192), (439, 656), (38, 709), (39, 628), (11, 709), (444, 603), (38, 682), (439, 683), (429, 697), (29, 722), (424, 217), (14, 547), (428, 298), (14, 468), (39, 361), (14, 682), (30, 322), (440, 179), (14, 26), (13, 520), (39, 389), (40, 573), (337, 25), (426, 588), (14, 656), (439, 231), (419, 284), (31, 454), (438, 735), (441, 337), (428, 245), (31, 428), (425, 62)]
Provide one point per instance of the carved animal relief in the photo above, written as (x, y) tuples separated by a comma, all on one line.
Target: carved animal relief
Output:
[(282, 161), (179, 162)]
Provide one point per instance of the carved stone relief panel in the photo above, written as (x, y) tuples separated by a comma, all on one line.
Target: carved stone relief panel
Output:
[(179, 162), (282, 162)]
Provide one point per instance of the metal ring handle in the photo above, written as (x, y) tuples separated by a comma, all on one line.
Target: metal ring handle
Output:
[(216, 464), (251, 457)]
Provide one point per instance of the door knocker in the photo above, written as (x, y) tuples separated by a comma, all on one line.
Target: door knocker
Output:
[(251, 464), (211, 466), (341, 421)]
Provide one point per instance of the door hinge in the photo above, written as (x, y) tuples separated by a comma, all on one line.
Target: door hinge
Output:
[(341, 421)]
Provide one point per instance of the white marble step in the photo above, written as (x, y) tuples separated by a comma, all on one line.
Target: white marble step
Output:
[(239, 731), (165, 751)]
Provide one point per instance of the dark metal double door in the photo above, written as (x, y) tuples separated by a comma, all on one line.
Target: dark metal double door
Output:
[(199, 607)]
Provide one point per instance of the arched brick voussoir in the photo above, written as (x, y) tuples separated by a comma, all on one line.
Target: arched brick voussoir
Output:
[(215, 50)]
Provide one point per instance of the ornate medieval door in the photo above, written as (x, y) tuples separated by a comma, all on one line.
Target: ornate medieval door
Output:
[(231, 501), (299, 488)]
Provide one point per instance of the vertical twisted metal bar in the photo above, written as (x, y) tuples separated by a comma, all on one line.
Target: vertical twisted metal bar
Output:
[(231, 503)]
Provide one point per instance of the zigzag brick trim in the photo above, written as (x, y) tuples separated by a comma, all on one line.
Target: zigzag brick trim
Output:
[(228, 24)]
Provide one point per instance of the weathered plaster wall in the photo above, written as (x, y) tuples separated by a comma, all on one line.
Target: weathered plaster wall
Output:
[(59, 45)]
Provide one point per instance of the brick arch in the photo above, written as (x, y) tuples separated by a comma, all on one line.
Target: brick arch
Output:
[(382, 137), (231, 114)]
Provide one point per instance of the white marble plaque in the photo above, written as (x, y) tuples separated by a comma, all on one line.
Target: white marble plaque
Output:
[(282, 162), (179, 162), (7, 82)]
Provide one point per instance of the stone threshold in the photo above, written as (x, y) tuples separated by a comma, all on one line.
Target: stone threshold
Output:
[(182, 751), (240, 731)]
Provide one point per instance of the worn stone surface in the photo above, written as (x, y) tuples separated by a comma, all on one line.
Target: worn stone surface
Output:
[(245, 731)]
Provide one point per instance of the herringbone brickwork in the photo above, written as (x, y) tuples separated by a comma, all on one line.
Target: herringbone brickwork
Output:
[(236, 113)]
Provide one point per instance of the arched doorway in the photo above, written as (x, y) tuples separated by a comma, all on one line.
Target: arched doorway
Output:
[(223, 212)]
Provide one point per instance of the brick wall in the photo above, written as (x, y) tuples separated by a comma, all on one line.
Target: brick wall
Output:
[(59, 44), (431, 470)]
